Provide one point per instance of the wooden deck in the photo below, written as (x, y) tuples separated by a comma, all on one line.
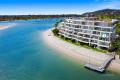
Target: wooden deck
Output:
[(94, 68), (100, 68)]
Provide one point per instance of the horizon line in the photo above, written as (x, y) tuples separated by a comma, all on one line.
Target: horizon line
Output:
[(58, 13)]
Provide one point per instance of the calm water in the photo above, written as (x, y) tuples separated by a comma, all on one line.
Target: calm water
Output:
[(24, 56)]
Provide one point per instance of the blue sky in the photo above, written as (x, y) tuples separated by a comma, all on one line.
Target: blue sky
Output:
[(20, 7)]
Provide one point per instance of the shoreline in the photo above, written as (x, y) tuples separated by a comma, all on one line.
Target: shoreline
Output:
[(3, 27), (77, 53)]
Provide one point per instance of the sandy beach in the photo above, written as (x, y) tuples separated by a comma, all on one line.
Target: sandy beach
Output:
[(3, 27), (77, 53)]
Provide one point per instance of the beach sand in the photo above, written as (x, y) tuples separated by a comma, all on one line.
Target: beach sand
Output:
[(77, 53), (3, 27)]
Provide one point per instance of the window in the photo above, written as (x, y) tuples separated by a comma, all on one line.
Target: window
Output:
[(96, 24), (90, 23), (87, 36), (106, 29), (85, 27), (97, 28), (91, 28), (94, 32), (83, 23), (76, 26)]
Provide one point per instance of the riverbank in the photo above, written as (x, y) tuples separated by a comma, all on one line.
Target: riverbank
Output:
[(2, 27), (77, 53)]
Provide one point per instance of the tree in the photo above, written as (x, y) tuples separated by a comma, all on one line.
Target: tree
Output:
[(118, 28), (73, 40), (55, 31), (115, 46)]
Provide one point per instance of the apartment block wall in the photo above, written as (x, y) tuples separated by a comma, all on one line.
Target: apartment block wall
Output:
[(92, 32)]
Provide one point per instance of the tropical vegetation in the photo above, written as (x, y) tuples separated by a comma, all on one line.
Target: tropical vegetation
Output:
[(55, 32), (118, 28)]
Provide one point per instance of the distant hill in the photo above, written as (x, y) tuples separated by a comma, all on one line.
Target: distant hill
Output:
[(102, 14), (27, 17), (111, 13)]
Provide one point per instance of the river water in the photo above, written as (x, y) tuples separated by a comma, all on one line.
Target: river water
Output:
[(25, 56)]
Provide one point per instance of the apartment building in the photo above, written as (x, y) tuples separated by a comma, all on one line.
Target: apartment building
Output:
[(91, 31)]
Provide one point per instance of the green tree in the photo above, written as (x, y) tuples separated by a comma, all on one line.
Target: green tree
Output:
[(115, 46), (118, 28), (55, 31)]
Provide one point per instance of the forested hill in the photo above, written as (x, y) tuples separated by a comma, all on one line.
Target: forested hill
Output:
[(26, 17), (105, 13)]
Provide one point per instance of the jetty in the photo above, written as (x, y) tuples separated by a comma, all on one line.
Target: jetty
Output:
[(102, 67)]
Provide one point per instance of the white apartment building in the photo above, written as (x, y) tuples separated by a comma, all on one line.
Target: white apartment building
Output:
[(91, 31)]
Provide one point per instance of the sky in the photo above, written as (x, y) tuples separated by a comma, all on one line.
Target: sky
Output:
[(29, 7)]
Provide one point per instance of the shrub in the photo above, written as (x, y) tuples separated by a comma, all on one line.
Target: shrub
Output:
[(115, 46), (66, 38), (73, 41), (55, 31), (62, 36)]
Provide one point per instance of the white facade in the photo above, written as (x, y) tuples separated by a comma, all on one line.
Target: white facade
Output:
[(93, 32)]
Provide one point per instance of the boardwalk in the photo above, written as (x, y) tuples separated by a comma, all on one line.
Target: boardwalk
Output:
[(100, 68)]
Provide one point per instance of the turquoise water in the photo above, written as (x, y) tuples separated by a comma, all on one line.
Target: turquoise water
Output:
[(24, 56)]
